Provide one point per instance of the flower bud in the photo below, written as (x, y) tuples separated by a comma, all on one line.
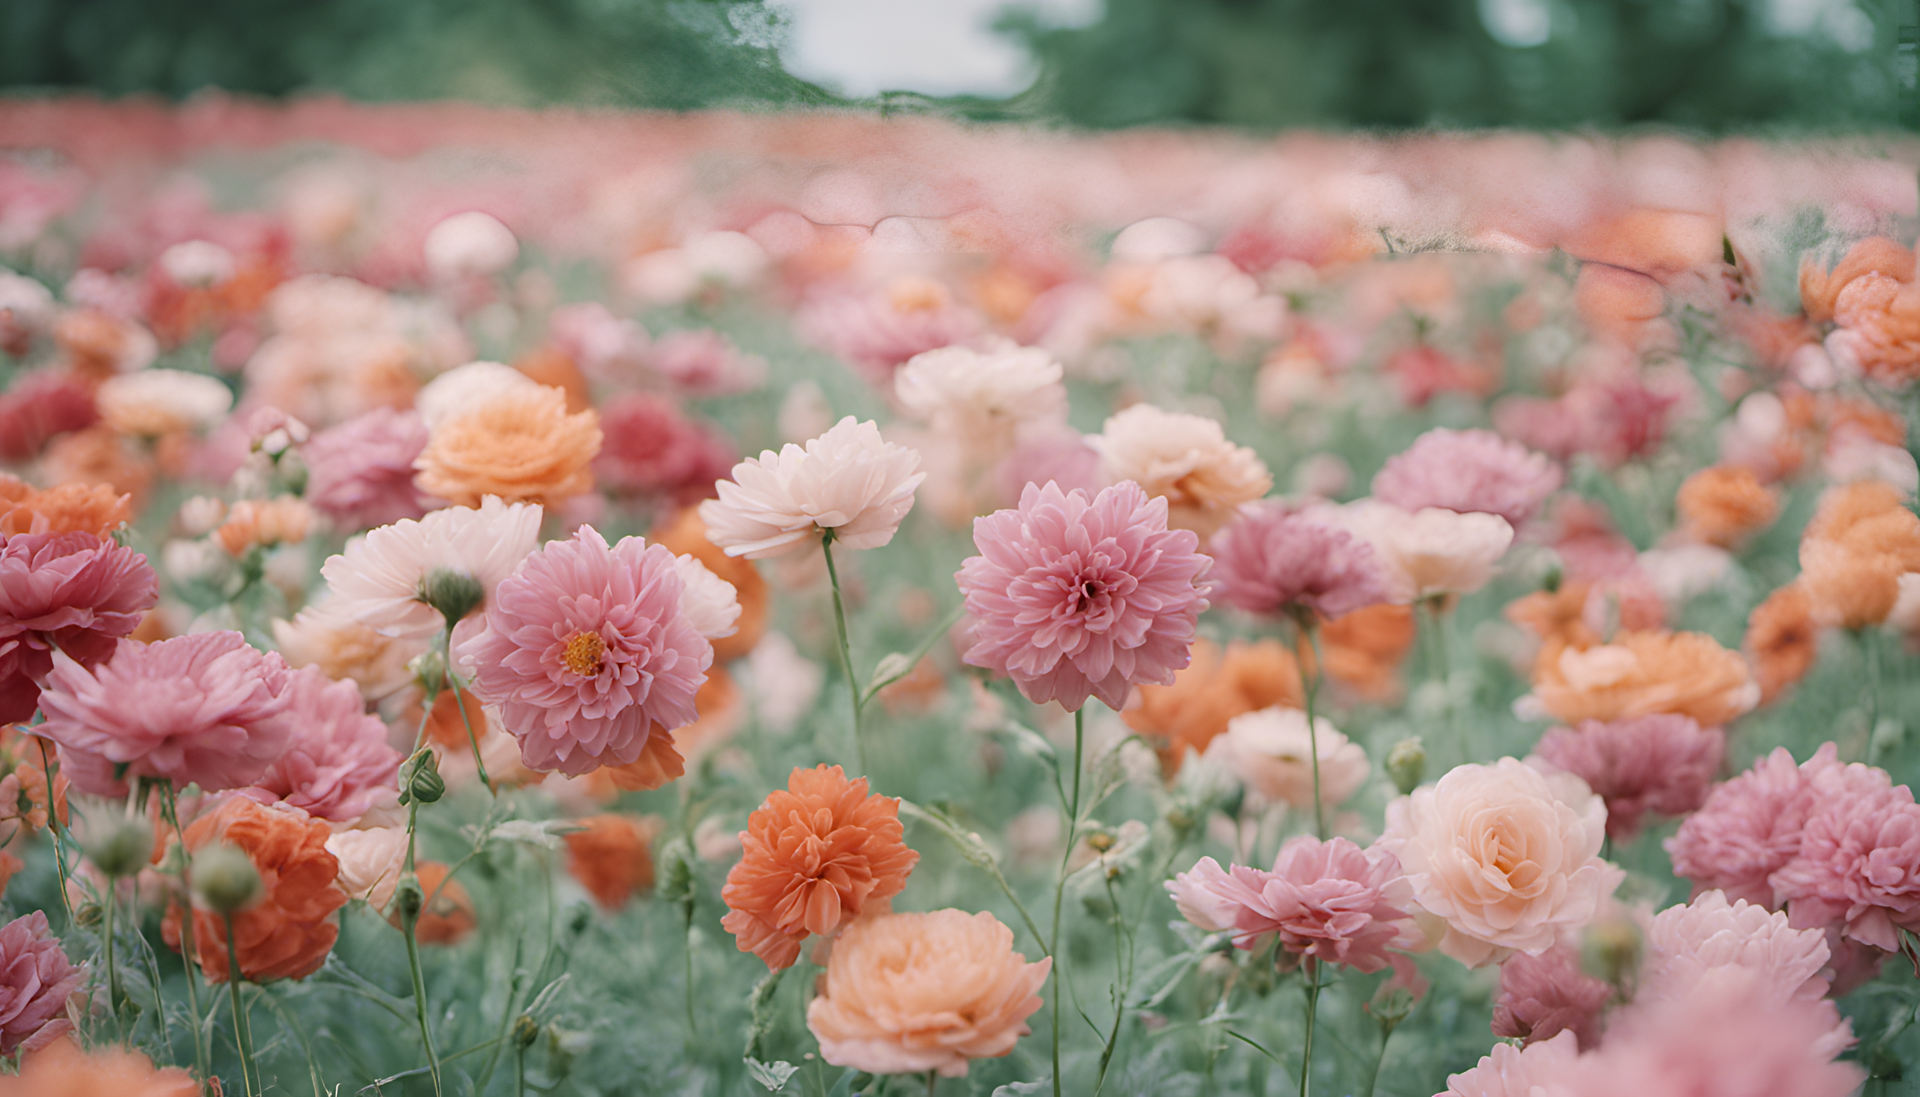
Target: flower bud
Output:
[(1610, 949), (454, 593), (525, 1031), (420, 778), (1407, 764), (123, 848), (87, 915), (1391, 1004), (429, 669), (409, 897), (224, 878)]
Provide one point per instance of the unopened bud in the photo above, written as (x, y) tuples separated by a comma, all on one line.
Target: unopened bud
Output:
[(88, 915), (525, 1031), (123, 849), (430, 671), (420, 778), (1610, 950), (409, 897), (224, 878), (1390, 1004), (1407, 764), (454, 593)]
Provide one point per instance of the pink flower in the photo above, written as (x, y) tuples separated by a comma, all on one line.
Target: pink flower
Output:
[(1749, 828), (39, 406), (1542, 1069), (1663, 764), (72, 592), (874, 332), (1612, 420), (1468, 470), (36, 979), (360, 473), (651, 449), (585, 649), (1272, 557), (1686, 944), (338, 765), (200, 709), (702, 362), (1073, 597), (1542, 996), (1065, 458), (1859, 858)]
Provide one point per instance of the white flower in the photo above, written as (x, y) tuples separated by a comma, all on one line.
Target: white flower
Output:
[(196, 561), (468, 245), (670, 276), (200, 515), (380, 580), (1184, 458), (1684, 572), (1157, 238), (981, 399), (1543, 1069), (1271, 753), (461, 390), (1852, 456), (370, 862), (784, 683), (198, 263), (1431, 551), (25, 305), (154, 402), (709, 602), (848, 480)]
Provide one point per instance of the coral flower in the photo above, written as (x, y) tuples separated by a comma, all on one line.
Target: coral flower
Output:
[(63, 1070), (847, 480), (1861, 541), (1820, 289), (586, 648), (1212, 690), (1726, 504), (1076, 597), (360, 472), (1186, 459), (610, 858), (382, 579), (906, 993), (815, 856), (1643, 674), (1364, 649), (522, 447), (346, 649), (1329, 900), (63, 508), (371, 862), (686, 535), (36, 979), (1879, 328), (264, 523), (1468, 471), (1271, 558), (70, 592), (1783, 640), (210, 712), (288, 932), (654, 451), (1662, 763), (1750, 827), (337, 765), (449, 915), (1542, 996)]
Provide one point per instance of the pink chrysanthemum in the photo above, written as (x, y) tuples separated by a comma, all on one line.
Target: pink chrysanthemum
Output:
[(72, 591), (36, 979), (338, 765), (199, 709), (1749, 828), (1468, 470), (1272, 557), (1542, 996), (1858, 865), (1663, 764), (1687, 944), (360, 473), (651, 449), (1074, 596), (585, 649)]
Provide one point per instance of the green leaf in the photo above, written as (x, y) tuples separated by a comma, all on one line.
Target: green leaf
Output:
[(774, 1076)]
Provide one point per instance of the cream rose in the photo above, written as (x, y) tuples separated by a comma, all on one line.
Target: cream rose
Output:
[(1270, 752), (1502, 858)]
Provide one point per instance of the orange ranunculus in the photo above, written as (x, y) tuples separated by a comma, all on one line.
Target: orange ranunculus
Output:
[(1820, 290), (610, 857), (1726, 504), (815, 855), (1211, 691), (289, 931), (1783, 640), (1363, 649), (63, 508), (1879, 326), (1645, 673), (1555, 616), (61, 1069), (685, 534), (1861, 541), (522, 446), (448, 915)]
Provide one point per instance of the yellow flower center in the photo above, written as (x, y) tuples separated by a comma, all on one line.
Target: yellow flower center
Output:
[(583, 654)]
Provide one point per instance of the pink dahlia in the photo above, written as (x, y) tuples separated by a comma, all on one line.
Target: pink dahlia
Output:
[(1542, 996), (1272, 557), (586, 649), (651, 449), (338, 765), (1074, 596), (1663, 764), (360, 473), (36, 979), (1749, 828), (1859, 860), (1468, 470), (71, 592)]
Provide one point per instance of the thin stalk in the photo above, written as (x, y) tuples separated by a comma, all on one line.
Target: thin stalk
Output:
[(242, 1031), (933, 1080), (113, 972), (1442, 673), (1060, 885), (693, 1032), (54, 829), (409, 921), (1311, 970), (189, 950), (846, 652), (453, 683), (1313, 732), (1870, 648), (1373, 1079), (520, 1072)]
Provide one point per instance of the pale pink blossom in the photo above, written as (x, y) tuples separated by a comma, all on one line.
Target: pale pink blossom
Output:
[(1270, 752), (360, 473), (337, 765), (1543, 1069), (380, 580), (701, 362), (848, 481), (1750, 827), (1685, 943), (1542, 996), (1662, 764), (876, 331), (1272, 557), (1427, 552), (470, 245), (1858, 864), (1468, 471), (36, 979), (370, 862), (982, 399)]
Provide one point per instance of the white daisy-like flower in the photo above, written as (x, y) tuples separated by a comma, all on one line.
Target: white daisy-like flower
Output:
[(848, 480), (981, 398), (384, 579), (709, 602), (153, 402)]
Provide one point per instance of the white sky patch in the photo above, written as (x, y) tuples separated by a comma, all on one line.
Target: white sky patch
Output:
[(935, 47)]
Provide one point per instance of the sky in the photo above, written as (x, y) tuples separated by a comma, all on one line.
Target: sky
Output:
[(935, 47)]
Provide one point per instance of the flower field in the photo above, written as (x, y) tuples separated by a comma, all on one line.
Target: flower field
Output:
[(499, 602)]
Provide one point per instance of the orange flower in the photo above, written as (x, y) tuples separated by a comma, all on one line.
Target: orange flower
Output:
[(288, 933), (1782, 640), (1363, 650), (1861, 541), (64, 508), (61, 1069), (1555, 616), (97, 455), (447, 727), (523, 447), (555, 368), (1820, 290), (1644, 674), (814, 856), (265, 522), (684, 534), (449, 914), (1725, 504), (1211, 691), (659, 762), (23, 789), (665, 756), (1879, 320), (611, 858)]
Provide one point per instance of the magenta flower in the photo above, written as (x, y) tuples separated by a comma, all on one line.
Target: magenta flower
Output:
[(1663, 764), (651, 449), (36, 979), (1859, 860), (585, 649), (338, 765), (1468, 471), (360, 473), (1542, 996), (199, 709), (1272, 557), (1074, 596), (74, 592), (1331, 900)]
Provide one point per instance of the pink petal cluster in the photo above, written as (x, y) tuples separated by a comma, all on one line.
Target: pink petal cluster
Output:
[(360, 473), (39, 406), (874, 332), (1075, 597), (1686, 944), (586, 649), (1662, 764), (1544, 1068), (338, 765), (653, 450), (702, 362), (75, 592), (1466, 471), (1749, 828), (1858, 865), (1613, 420), (1331, 900), (202, 709), (1272, 557), (1542, 996), (36, 979)]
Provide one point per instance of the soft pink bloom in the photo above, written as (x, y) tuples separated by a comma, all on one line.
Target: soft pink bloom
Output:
[(1749, 828), (1272, 557), (36, 979), (1468, 470), (608, 348), (199, 709), (360, 473), (585, 649), (848, 480), (1859, 858), (1542, 996), (38, 406), (1543, 1069), (1066, 458), (1613, 421), (338, 765), (74, 592), (651, 449), (1663, 764), (874, 332), (701, 362), (1075, 596)]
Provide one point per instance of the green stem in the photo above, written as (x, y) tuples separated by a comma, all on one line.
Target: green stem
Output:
[(54, 830), (846, 652), (1312, 971), (113, 970), (1060, 885), (453, 683), (189, 950), (242, 1031), (1313, 731), (409, 921), (693, 1031), (933, 1080), (1870, 649), (1442, 672), (1373, 1079), (520, 1072)]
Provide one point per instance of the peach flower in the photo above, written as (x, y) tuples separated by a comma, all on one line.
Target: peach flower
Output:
[(1430, 551), (522, 447), (61, 1069), (154, 402), (1185, 458), (1726, 504), (264, 522), (1879, 328), (370, 862), (1271, 753), (610, 857), (98, 455), (346, 649), (907, 993), (1212, 690), (1644, 673), (1861, 541), (1783, 640), (684, 534), (1820, 290), (64, 508), (1364, 649)]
